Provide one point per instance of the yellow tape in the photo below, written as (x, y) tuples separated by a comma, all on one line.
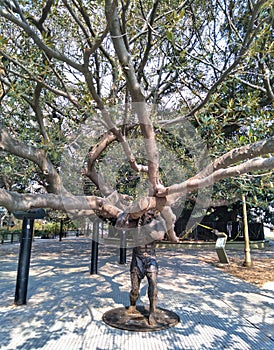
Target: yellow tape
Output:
[(209, 228)]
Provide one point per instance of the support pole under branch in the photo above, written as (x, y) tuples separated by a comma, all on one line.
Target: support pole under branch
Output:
[(123, 249), (94, 248), (24, 262), (28, 218)]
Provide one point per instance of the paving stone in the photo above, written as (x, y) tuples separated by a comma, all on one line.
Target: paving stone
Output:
[(66, 304)]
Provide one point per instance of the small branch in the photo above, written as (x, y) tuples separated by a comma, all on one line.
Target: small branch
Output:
[(39, 42), (267, 83), (45, 11), (40, 80), (39, 114), (149, 38), (250, 34), (253, 86), (78, 21)]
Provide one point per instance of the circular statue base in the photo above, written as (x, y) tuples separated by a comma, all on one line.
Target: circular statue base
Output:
[(138, 321)]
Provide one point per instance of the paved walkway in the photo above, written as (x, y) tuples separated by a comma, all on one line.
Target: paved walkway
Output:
[(66, 304)]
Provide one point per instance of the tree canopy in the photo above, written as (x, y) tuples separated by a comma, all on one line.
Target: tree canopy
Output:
[(114, 107)]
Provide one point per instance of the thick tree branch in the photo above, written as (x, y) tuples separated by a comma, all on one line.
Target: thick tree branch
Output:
[(126, 147), (35, 155), (107, 119), (236, 155), (95, 153), (136, 94), (220, 166), (14, 201), (175, 191)]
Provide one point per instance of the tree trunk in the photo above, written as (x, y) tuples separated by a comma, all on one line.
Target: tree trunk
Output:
[(247, 261)]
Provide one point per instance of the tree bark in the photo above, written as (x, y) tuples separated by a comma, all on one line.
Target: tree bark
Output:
[(138, 98), (37, 156)]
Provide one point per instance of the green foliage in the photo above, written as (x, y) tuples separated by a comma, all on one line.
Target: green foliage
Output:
[(178, 57)]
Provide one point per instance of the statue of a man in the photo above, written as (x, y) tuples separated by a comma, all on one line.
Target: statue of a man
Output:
[(144, 263), (150, 229)]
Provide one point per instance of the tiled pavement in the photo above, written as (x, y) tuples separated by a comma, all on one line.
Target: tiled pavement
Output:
[(66, 303)]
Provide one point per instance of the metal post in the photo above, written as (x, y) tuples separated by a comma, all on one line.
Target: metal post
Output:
[(24, 262), (248, 261), (61, 230), (94, 248), (123, 249)]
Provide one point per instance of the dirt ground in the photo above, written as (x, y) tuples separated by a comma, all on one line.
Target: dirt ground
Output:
[(261, 271)]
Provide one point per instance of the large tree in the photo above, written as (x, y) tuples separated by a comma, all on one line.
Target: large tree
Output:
[(129, 107)]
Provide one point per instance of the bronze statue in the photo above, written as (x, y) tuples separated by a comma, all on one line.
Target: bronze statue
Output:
[(144, 264), (147, 230), (151, 228)]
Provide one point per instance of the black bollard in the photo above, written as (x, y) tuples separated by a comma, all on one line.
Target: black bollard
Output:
[(61, 230), (123, 249), (25, 252), (94, 248), (24, 262)]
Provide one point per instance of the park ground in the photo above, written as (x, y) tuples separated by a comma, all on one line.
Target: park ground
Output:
[(261, 272)]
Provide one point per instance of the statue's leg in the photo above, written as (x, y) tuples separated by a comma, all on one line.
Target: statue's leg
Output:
[(152, 295), (134, 293)]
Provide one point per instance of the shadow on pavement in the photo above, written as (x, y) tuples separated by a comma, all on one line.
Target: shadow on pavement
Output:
[(66, 303)]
